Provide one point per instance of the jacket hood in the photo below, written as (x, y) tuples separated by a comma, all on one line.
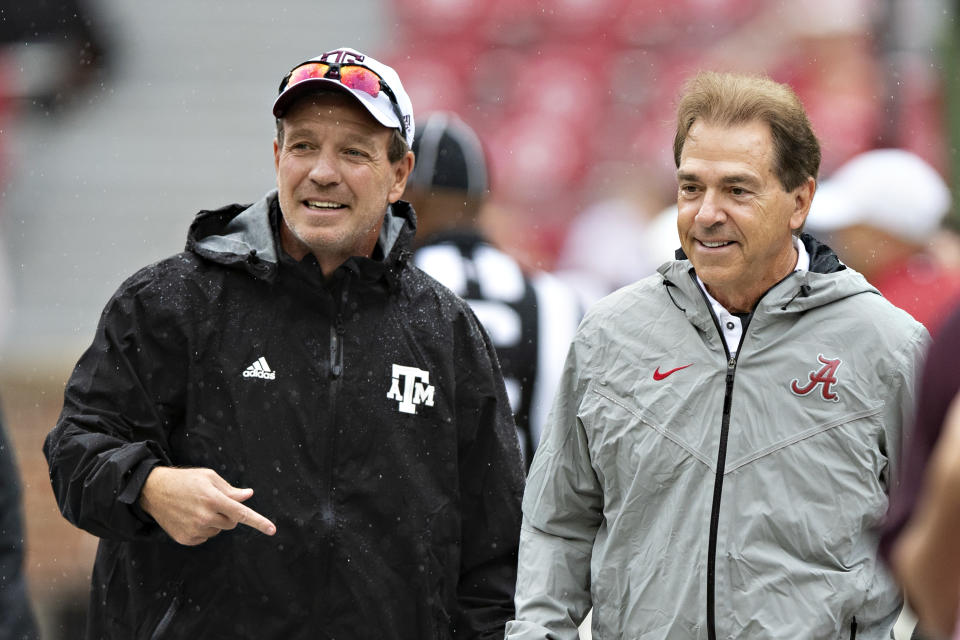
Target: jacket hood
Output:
[(242, 236), (827, 280)]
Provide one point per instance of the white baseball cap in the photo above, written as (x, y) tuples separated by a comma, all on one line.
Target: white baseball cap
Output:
[(889, 189), (348, 70)]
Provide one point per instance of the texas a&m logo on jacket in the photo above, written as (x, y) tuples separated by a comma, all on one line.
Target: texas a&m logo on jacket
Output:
[(824, 377), (410, 387)]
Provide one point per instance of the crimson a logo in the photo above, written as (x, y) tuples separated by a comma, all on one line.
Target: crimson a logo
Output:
[(825, 376)]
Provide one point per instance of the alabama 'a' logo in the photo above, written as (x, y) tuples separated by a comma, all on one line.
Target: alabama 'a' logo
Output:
[(825, 377)]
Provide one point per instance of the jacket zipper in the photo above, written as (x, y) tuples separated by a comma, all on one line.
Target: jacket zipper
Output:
[(722, 459), (721, 466), (167, 618), (336, 372), (717, 495), (336, 347)]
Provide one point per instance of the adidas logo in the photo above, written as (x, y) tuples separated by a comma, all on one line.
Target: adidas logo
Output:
[(260, 369)]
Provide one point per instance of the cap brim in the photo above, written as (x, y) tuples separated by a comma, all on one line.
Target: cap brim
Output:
[(387, 118)]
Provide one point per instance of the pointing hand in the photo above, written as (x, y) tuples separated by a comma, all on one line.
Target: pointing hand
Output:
[(193, 505)]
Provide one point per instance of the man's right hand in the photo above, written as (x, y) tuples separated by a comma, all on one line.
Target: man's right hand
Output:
[(193, 505)]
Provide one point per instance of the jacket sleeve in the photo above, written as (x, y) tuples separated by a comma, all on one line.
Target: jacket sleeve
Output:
[(491, 489), (120, 403), (911, 433), (904, 383), (938, 387), (562, 511)]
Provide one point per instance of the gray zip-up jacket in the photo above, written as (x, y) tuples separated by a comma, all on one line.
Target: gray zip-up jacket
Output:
[(684, 494)]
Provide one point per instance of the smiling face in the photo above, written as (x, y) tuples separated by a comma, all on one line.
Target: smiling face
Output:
[(334, 179), (735, 221)]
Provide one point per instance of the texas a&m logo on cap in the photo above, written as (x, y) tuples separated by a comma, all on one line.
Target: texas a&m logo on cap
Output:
[(343, 56)]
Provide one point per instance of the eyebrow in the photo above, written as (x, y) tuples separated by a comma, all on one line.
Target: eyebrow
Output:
[(360, 139), (740, 178), (737, 178), (351, 138)]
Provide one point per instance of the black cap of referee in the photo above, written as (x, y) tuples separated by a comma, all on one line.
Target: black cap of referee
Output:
[(449, 156)]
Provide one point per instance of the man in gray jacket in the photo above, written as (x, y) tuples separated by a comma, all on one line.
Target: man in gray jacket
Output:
[(722, 444)]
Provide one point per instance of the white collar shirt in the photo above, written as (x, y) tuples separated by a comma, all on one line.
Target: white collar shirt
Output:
[(730, 324)]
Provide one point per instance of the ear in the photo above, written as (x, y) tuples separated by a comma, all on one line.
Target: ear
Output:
[(401, 171), (276, 156), (802, 199)]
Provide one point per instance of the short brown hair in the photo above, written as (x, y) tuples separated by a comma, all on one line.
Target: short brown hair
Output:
[(726, 99)]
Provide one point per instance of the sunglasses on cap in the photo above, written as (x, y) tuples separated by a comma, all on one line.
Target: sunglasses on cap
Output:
[(350, 75)]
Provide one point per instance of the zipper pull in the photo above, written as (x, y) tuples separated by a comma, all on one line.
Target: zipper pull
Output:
[(337, 332), (336, 347)]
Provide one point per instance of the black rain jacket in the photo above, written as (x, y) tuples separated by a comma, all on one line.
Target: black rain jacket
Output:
[(16, 613), (366, 411)]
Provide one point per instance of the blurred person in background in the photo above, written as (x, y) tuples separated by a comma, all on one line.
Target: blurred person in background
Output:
[(920, 533), (882, 212), (51, 53), (531, 319), (289, 362), (615, 241), (722, 444), (16, 614)]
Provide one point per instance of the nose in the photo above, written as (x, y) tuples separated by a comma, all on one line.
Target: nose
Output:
[(711, 210), (324, 172)]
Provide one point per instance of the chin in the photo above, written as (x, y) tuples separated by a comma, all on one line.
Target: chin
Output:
[(714, 275)]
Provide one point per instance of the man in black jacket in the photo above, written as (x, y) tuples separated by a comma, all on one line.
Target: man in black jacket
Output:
[(291, 372), (16, 614)]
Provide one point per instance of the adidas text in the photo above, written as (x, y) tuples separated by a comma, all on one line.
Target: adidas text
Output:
[(260, 369)]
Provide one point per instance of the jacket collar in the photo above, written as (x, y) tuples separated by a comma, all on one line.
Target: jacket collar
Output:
[(822, 258), (244, 237), (827, 280)]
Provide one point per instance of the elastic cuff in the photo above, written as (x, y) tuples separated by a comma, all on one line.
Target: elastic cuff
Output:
[(131, 493)]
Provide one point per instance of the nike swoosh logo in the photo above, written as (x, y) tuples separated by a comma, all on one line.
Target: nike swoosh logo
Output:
[(660, 376)]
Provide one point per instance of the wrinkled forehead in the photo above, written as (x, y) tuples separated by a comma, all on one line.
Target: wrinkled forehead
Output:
[(746, 148)]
